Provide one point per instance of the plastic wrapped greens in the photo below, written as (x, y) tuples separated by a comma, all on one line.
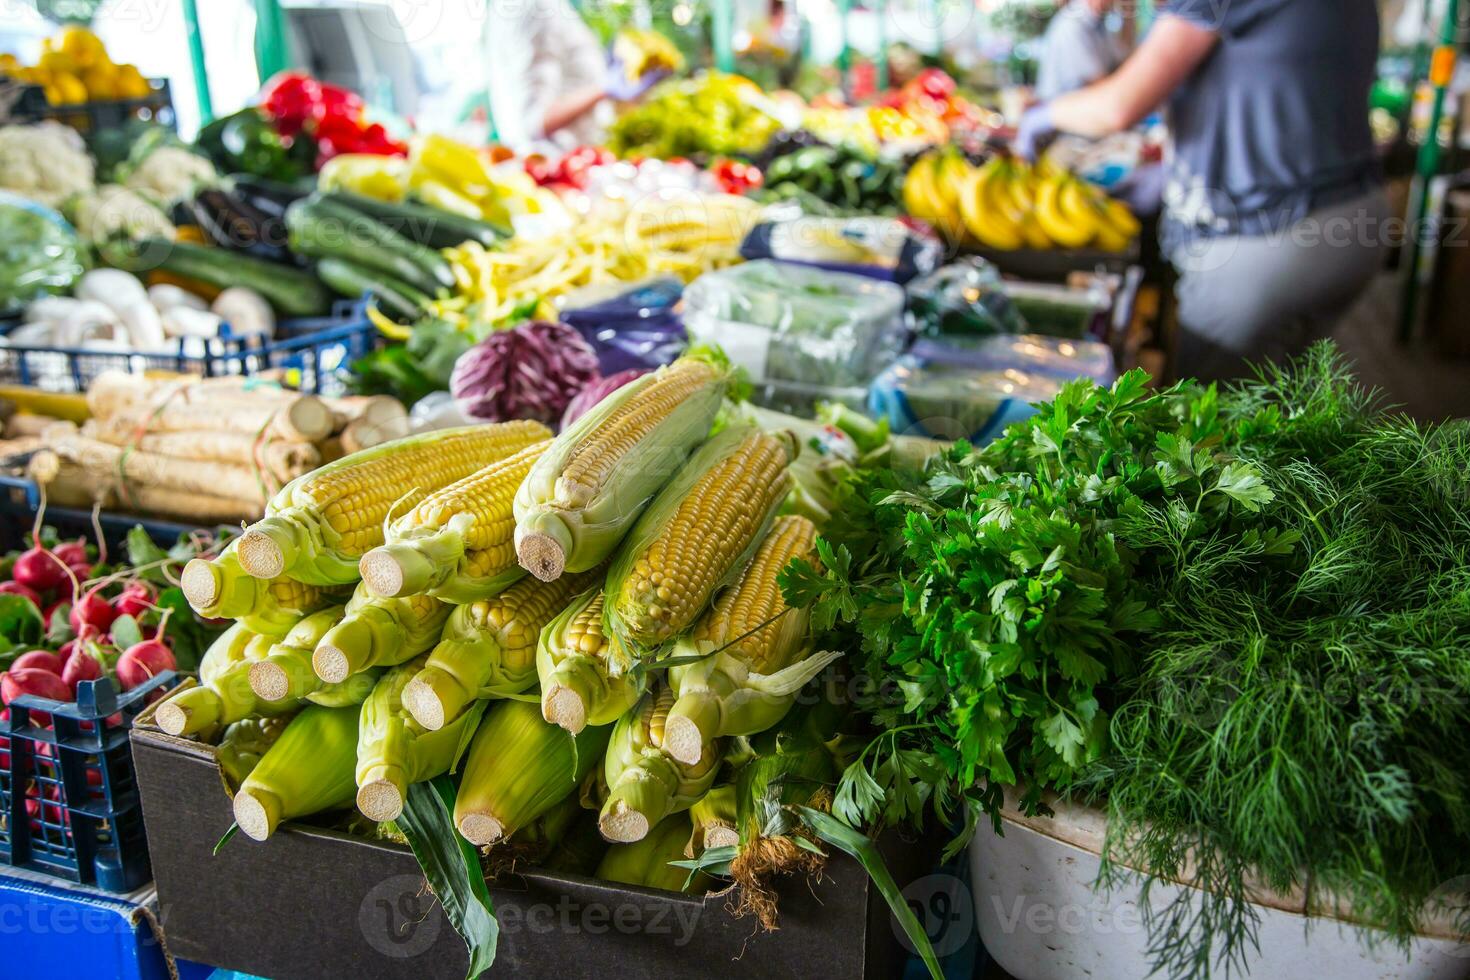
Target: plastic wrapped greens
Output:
[(789, 323), (950, 393)]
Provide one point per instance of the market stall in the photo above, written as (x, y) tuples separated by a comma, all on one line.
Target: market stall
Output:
[(763, 537)]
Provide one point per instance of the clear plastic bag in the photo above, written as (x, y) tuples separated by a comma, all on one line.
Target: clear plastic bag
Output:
[(791, 323), (949, 393), (964, 298)]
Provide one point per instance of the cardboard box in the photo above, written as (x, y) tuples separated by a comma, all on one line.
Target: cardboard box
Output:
[(313, 903)]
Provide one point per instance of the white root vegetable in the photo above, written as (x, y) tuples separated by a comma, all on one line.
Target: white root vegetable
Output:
[(71, 485), (113, 288), (246, 311), (166, 296), (283, 461), (182, 407), (145, 469), (143, 325), (184, 321)]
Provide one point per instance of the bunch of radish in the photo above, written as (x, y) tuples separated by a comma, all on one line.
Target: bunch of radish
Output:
[(93, 628)]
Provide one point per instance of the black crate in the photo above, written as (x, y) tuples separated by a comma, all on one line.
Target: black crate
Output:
[(92, 117)]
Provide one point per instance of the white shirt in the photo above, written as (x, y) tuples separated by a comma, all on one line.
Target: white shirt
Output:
[(1076, 51), (536, 53)]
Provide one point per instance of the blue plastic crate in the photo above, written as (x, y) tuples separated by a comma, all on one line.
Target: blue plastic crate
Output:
[(67, 789), (312, 352)]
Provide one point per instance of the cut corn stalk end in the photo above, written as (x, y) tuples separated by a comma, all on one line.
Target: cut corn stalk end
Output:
[(720, 836), (270, 546), (622, 824), (396, 570), (343, 652), (202, 583), (480, 829), (565, 706), (434, 697), (693, 723), (257, 812), (543, 552), (190, 712), (286, 673), (380, 793)]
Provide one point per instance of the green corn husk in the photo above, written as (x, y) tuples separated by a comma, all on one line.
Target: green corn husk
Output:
[(713, 821), (221, 589), (740, 670), (645, 863), (309, 769), (393, 750), (223, 695), (566, 527), (285, 672), (518, 768), (577, 686), (534, 844), (245, 743), (294, 538), (639, 629), (488, 649), (644, 784), (376, 632)]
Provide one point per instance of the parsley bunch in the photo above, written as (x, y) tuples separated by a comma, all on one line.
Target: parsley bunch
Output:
[(1238, 620)]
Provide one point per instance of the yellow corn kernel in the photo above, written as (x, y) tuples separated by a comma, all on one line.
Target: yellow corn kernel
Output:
[(744, 620)]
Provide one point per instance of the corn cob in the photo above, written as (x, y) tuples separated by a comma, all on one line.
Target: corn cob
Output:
[(378, 632), (646, 863), (755, 652), (307, 770), (572, 659), (644, 784), (393, 750), (458, 542), (488, 649), (319, 525), (698, 532), (714, 819), (518, 768), (244, 743), (223, 695), (220, 589), (285, 671), (798, 761), (585, 492)]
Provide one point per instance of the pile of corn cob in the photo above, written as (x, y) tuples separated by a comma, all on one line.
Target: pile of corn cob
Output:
[(592, 619)]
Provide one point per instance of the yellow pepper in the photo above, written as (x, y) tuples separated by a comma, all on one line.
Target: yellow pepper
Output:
[(385, 178)]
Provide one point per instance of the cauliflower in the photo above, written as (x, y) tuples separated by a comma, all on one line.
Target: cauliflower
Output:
[(111, 209), (46, 162), (169, 174)]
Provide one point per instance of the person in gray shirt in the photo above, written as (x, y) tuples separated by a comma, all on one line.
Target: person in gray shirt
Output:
[(1274, 211), (1077, 48)]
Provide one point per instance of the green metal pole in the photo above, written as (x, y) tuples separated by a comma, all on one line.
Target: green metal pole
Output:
[(844, 54), (1441, 72), (272, 54), (723, 34), (196, 61)]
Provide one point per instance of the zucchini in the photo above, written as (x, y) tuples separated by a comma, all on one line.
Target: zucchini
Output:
[(429, 226), (396, 298), (323, 229), (291, 291)]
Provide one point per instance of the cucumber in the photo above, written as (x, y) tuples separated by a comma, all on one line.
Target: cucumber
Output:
[(323, 229), (426, 225), (293, 292), (398, 299)]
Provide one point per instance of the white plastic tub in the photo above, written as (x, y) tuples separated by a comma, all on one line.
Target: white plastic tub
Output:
[(1041, 920)]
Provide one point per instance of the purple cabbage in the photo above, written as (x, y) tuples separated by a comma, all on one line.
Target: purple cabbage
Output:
[(530, 372), (596, 392)]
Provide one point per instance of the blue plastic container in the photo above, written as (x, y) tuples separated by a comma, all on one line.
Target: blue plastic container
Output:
[(67, 791)]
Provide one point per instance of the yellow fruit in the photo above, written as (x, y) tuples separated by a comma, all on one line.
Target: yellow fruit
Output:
[(57, 61), (1116, 214), (990, 226), (131, 84), (1059, 224), (53, 95), (1079, 208), (70, 88), (916, 189), (101, 82), (82, 46)]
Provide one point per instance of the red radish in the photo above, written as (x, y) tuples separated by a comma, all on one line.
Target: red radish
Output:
[(82, 572), (44, 659), (92, 610), (67, 649), (142, 662), (74, 553), (32, 680), (25, 592), (134, 601), (38, 569), (81, 666)]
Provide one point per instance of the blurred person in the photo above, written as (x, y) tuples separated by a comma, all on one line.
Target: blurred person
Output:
[(548, 76), (1274, 205), (1078, 48)]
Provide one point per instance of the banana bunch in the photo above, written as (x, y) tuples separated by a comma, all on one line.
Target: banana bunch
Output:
[(642, 52), (1006, 205)]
